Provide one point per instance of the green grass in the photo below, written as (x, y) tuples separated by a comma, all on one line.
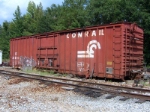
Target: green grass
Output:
[(5, 60), (64, 75), (146, 83), (43, 73), (46, 73)]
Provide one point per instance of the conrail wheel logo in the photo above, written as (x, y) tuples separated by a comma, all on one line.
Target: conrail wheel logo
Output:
[(90, 52)]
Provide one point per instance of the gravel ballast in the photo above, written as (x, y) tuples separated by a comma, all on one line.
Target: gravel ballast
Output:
[(18, 95)]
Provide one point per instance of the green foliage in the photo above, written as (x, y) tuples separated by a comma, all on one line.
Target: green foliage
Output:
[(74, 14), (52, 72), (17, 25), (42, 72)]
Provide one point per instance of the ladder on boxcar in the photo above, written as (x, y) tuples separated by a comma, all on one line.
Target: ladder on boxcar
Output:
[(133, 55), (117, 45)]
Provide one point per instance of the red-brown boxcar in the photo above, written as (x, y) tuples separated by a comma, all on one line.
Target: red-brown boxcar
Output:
[(106, 51)]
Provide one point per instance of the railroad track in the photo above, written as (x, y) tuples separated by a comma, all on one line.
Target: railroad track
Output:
[(88, 88)]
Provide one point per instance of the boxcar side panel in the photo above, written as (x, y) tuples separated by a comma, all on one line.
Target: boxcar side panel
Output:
[(111, 51)]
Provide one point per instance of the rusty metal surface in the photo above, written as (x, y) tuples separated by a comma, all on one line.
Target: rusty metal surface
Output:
[(23, 50), (107, 51)]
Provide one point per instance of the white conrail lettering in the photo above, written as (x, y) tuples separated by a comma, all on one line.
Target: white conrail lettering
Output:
[(92, 33), (79, 34), (90, 52)]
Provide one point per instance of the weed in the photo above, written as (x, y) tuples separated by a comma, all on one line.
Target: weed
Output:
[(51, 71), (64, 74), (42, 72), (146, 83)]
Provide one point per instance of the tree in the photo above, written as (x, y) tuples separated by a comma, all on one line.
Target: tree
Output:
[(76, 14), (39, 14), (53, 17), (72, 14), (145, 23), (5, 37), (30, 21), (18, 23)]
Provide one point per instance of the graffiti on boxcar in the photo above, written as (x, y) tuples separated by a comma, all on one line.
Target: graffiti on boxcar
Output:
[(15, 57), (93, 44), (27, 63), (94, 33), (83, 66)]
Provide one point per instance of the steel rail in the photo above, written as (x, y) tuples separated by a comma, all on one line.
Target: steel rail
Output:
[(79, 81), (103, 88)]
